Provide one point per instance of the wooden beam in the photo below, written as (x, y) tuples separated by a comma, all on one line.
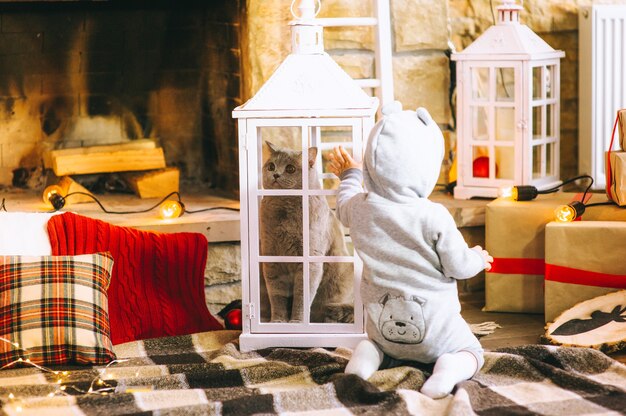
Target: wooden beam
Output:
[(107, 161), (131, 145), (154, 184)]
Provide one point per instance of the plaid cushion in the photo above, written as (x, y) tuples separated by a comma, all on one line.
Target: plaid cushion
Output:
[(56, 308)]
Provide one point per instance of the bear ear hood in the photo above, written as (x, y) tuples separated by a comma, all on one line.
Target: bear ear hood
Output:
[(403, 155)]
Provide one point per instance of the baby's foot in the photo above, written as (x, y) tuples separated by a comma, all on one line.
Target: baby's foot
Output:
[(449, 370)]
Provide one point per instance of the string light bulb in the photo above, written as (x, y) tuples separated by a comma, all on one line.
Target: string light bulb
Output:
[(569, 212), (171, 209), (52, 196), (507, 192), (520, 192)]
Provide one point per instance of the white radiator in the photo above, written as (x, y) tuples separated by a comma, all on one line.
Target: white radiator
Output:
[(602, 83)]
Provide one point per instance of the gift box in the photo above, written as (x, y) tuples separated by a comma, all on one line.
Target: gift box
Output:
[(584, 259), (615, 163), (515, 237), (616, 176)]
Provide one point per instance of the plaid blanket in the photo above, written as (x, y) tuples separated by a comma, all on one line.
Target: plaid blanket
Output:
[(206, 373)]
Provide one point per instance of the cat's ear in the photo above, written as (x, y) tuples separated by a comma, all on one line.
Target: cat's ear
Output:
[(271, 146), (312, 156)]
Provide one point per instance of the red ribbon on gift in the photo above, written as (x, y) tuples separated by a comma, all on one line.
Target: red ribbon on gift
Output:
[(517, 266), (583, 277)]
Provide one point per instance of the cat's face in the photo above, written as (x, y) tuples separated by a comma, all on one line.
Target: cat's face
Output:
[(283, 169)]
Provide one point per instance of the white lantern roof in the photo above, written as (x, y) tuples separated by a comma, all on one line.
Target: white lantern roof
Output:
[(308, 82), (508, 40)]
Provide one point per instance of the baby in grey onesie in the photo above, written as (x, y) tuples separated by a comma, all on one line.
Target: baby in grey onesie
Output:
[(412, 252)]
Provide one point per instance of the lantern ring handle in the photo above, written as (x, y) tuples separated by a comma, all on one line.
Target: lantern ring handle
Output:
[(318, 7)]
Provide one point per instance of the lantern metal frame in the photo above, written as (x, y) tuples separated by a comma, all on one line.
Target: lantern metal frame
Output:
[(523, 129), (308, 92)]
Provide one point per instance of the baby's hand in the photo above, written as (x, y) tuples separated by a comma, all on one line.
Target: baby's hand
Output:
[(485, 255), (340, 161)]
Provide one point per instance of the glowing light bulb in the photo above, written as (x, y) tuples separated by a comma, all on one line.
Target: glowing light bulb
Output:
[(568, 213), (564, 213), (53, 196), (51, 190), (508, 192), (171, 209)]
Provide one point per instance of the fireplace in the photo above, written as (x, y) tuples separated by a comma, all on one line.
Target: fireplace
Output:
[(91, 73)]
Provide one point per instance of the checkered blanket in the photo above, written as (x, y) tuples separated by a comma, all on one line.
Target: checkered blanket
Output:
[(207, 374)]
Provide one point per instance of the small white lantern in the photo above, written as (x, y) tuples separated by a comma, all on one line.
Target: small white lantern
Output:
[(308, 102), (507, 109)]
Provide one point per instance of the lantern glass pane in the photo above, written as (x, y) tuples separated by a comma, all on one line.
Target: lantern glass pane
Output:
[(479, 123), (280, 225), (505, 162), (536, 122), (505, 84), (550, 159), (549, 81), (333, 301), (331, 134), (280, 168), (480, 164), (537, 161), (327, 237), (550, 120), (505, 123), (537, 94), (278, 283), (480, 83)]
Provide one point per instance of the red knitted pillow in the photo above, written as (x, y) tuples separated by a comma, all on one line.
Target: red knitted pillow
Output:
[(157, 284)]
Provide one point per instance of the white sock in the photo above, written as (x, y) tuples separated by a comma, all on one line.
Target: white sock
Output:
[(449, 370), (366, 359)]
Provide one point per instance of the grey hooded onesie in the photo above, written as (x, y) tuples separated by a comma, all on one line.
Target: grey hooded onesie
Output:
[(411, 249)]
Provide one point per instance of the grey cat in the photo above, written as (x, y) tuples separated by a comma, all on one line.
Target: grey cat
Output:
[(330, 284)]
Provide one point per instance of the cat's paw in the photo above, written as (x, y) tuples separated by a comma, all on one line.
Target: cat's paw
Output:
[(295, 321)]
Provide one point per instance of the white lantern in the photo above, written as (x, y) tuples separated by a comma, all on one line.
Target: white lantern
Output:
[(308, 102), (507, 109)]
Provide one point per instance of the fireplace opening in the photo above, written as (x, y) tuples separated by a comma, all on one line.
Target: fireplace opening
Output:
[(89, 73)]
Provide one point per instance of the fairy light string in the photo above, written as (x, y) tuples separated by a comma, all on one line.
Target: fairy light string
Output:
[(99, 385), (58, 201)]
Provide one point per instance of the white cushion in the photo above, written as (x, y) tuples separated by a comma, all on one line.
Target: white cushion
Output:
[(25, 233)]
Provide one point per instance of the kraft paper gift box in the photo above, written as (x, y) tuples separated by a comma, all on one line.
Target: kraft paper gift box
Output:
[(584, 259), (615, 163), (515, 237), (616, 176)]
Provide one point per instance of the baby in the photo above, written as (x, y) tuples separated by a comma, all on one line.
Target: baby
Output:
[(412, 252)]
